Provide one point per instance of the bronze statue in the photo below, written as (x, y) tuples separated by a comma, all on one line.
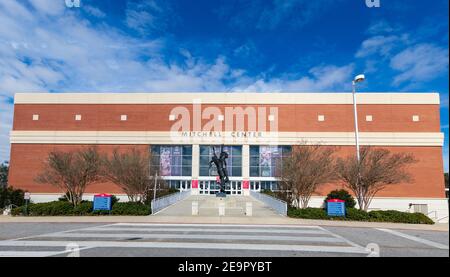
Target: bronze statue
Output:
[(221, 166)]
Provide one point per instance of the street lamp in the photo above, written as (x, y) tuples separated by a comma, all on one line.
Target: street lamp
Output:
[(357, 79)]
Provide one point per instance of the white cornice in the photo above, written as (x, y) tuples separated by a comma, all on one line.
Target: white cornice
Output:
[(280, 138), (225, 98)]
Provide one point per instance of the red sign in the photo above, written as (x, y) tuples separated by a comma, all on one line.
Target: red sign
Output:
[(245, 184), (103, 195), (335, 200), (195, 184)]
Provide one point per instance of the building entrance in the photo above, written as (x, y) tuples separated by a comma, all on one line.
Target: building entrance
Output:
[(212, 187)]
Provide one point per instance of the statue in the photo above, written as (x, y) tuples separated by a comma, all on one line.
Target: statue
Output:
[(221, 166)]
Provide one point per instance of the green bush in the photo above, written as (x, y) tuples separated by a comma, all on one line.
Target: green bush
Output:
[(130, 208), (51, 209), (400, 217), (353, 214), (9, 195), (342, 195), (308, 213), (84, 208), (356, 214)]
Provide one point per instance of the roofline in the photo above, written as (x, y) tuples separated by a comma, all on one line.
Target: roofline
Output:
[(430, 98)]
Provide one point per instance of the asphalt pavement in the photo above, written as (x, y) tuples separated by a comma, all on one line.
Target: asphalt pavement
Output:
[(215, 240)]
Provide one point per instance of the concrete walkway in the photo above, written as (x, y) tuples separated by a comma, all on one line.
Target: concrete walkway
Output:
[(208, 206)]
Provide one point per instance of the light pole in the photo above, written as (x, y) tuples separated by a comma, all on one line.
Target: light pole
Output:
[(357, 79)]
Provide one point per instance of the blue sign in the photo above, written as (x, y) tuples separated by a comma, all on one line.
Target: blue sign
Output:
[(102, 202), (336, 207)]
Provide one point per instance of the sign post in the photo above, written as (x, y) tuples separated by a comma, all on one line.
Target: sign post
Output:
[(26, 197), (336, 207), (102, 202)]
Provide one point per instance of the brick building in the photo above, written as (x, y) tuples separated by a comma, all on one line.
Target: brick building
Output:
[(256, 128)]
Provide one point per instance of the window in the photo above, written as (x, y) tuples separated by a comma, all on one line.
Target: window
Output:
[(172, 117), (271, 117), (123, 117), (415, 118), (369, 118), (265, 161), (172, 160), (35, 117), (78, 117), (321, 118), (234, 161)]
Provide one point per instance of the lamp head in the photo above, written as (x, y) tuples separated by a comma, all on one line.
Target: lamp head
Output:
[(359, 78)]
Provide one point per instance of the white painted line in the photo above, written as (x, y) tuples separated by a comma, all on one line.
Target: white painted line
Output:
[(186, 245), (414, 238), (199, 237), (341, 237), (218, 225), (71, 230), (198, 230), (28, 253), (37, 253)]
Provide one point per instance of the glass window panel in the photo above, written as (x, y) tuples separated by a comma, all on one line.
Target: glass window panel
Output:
[(254, 171), (254, 150), (254, 161), (236, 151), (187, 171)]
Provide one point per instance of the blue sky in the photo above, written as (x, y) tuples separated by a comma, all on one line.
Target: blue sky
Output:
[(223, 45)]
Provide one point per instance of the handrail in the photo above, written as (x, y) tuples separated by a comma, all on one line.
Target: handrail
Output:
[(165, 201), (276, 204)]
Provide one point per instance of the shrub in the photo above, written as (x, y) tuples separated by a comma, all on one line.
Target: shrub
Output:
[(400, 217), (130, 208), (84, 208), (353, 214), (308, 213), (356, 214), (343, 195), (51, 209), (9, 195)]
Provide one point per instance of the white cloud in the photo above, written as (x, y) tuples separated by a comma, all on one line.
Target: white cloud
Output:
[(380, 45), (47, 51), (420, 63), (49, 7), (147, 16), (94, 11), (322, 78)]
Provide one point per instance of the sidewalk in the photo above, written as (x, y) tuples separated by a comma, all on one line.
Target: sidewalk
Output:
[(444, 227)]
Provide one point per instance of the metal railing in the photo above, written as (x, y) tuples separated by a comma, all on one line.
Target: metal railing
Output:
[(162, 202), (276, 204)]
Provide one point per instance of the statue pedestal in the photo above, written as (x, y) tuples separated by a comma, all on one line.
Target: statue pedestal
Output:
[(221, 194)]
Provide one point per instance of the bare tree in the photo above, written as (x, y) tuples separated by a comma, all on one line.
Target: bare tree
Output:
[(306, 169), (72, 171), (131, 171), (377, 168)]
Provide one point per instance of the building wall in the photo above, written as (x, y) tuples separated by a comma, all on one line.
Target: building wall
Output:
[(291, 118), (296, 116), (27, 161)]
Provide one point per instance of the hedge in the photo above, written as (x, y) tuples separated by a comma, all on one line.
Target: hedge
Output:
[(9, 195), (353, 214), (64, 208)]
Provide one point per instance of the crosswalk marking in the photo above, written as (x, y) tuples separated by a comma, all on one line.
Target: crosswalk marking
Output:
[(186, 236), (413, 238), (226, 230)]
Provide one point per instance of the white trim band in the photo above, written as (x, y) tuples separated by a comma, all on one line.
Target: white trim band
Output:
[(226, 98), (280, 138)]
